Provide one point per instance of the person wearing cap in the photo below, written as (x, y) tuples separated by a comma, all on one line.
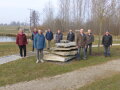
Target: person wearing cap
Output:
[(107, 42)]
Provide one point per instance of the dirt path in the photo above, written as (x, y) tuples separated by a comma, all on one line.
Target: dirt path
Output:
[(71, 80)]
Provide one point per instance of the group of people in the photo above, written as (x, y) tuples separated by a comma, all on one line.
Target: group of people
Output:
[(83, 42)]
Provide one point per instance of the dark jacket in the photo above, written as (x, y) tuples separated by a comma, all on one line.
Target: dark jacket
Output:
[(39, 41), (49, 35), (107, 40), (90, 38), (81, 40), (21, 39), (59, 37), (71, 37), (33, 35)]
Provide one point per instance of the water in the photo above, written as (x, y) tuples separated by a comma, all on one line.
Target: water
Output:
[(7, 39)]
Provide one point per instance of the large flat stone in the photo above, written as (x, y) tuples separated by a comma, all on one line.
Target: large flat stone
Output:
[(64, 49), (53, 57), (66, 45), (66, 53)]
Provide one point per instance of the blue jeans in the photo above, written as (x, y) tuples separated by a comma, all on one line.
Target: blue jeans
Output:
[(106, 51), (80, 52)]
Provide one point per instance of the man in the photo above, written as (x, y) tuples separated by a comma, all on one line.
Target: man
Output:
[(71, 36), (39, 44), (58, 36), (90, 40), (81, 44), (33, 35), (107, 42), (49, 37)]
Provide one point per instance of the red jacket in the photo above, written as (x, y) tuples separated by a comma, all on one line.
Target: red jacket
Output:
[(21, 39)]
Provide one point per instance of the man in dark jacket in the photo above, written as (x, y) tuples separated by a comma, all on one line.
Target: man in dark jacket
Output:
[(71, 36), (90, 40), (33, 35), (58, 37), (107, 42), (49, 37), (81, 44)]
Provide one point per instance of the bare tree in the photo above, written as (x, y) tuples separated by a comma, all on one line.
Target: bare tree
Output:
[(34, 19)]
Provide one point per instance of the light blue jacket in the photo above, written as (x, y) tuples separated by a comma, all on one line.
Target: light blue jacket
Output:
[(39, 41)]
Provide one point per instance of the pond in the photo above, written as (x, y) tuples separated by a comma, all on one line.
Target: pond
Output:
[(7, 39)]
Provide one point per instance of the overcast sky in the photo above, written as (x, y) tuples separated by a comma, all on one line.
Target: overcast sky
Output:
[(18, 10)]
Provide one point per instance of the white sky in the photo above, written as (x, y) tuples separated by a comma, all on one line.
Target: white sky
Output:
[(18, 10)]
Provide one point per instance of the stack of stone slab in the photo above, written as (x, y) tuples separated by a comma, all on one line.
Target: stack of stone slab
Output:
[(63, 51)]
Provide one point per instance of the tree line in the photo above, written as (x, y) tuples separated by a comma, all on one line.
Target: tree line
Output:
[(98, 15)]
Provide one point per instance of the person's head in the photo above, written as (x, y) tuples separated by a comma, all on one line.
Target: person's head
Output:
[(81, 30), (20, 31), (49, 30), (89, 31), (39, 31), (35, 30), (70, 31), (107, 33), (58, 31)]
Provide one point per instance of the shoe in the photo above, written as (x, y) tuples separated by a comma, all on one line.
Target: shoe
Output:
[(42, 61), (37, 61)]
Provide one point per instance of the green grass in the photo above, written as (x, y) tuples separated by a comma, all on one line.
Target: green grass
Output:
[(111, 83), (11, 48), (26, 69)]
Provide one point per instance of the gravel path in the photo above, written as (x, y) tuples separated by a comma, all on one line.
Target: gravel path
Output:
[(71, 80), (6, 59)]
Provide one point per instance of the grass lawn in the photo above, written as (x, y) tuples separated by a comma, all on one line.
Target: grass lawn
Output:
[(111, 83), (26, 69), (11, 48)]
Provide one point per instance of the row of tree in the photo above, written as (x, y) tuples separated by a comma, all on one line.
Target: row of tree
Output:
[(98, 15)]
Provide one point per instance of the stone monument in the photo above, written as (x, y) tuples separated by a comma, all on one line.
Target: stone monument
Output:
[(63, 51)]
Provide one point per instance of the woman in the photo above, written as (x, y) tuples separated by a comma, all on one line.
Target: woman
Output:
[(21, 41)]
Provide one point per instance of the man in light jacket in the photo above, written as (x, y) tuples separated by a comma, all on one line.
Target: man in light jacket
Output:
[(39, 44)]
